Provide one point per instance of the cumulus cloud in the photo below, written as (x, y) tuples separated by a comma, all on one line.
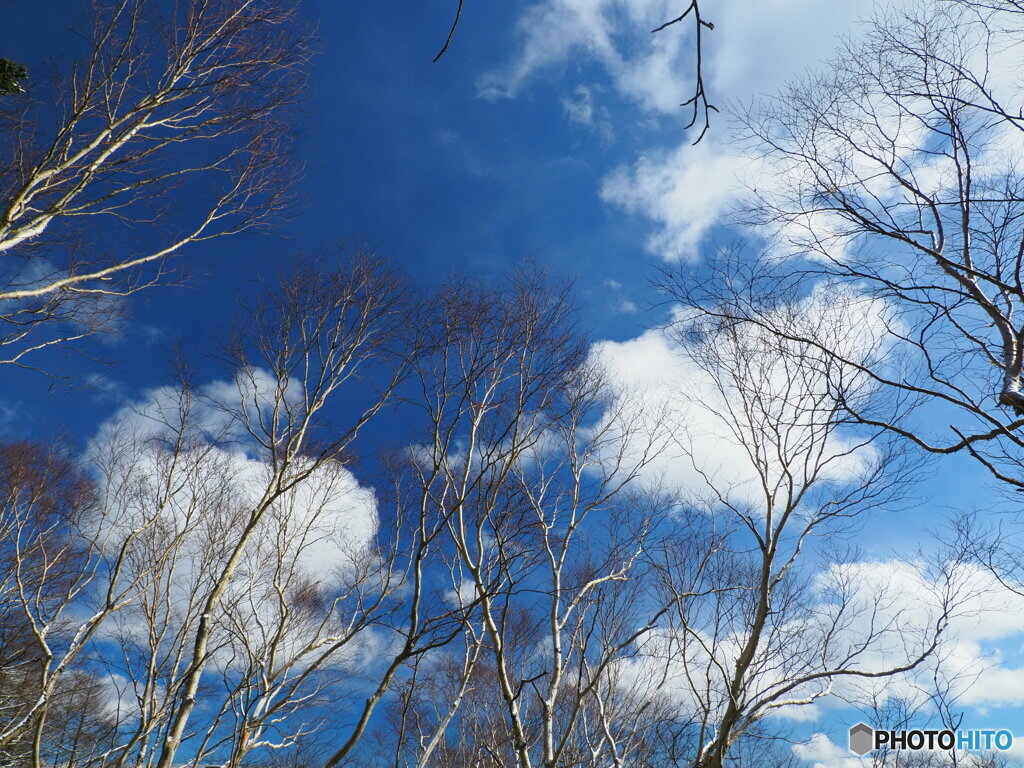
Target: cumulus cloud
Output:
[(656, 70), (715, 389), (985, 613), (884, 612), (885, 618), (684, 192), (180, 479), (864, 616), (821, 752)]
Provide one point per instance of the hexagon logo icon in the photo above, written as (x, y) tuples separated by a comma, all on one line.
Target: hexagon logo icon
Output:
[(862, 737)]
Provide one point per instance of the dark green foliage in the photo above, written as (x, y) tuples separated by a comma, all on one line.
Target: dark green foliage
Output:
[(10, 74)]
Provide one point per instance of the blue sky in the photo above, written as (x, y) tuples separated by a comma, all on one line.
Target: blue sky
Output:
[(404, 155), (549, 130)]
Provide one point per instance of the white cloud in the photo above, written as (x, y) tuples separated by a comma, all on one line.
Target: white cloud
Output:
[(822, 752), (678, 388), (684, 192), (551, 32), (582, 110), (984, 614), (120, 697), (192, 497), (885, 619), (891, 607), (753, 49), (618, 302), (899, 601), (607, 31)]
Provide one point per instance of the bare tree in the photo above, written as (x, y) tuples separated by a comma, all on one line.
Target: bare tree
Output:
[(43, 566), (891, 178), (892, 192), (532, 458), (751, 634), (521, 593), (166, 134), (208, 503), (230, 588), (314, 334)]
